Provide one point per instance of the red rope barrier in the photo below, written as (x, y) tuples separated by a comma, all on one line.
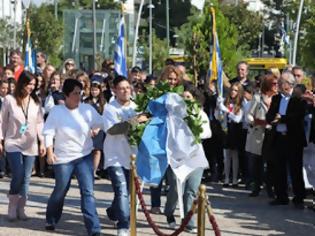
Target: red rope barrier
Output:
[(213, 221), (151, 222)]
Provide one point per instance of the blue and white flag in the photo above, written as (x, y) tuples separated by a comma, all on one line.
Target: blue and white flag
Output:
[(30, 54), (120, 55), (215, 65), (167, 141)]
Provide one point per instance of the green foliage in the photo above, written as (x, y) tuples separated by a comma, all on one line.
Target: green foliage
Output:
[(199, 25), (193, 118), (159, 51), (249, 23), (46, 32)]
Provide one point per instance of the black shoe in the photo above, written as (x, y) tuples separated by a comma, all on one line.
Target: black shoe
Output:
[(270, 192), (1, 175), (171, 221), (50, 227), (110, 214), (41, 175), (254, 194), (278, 202), (225, 185), (234, 185), (298, 203)]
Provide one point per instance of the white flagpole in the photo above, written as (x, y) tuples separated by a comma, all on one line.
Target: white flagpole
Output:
[(134, 55)]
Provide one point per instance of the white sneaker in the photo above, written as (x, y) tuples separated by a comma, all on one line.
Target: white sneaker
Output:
[(122, 232)]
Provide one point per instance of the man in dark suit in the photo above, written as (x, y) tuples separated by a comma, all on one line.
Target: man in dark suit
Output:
[(286, 114)]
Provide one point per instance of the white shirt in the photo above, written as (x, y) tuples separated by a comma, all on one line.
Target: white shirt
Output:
[(69, 131), (282, 128), (117, 150)]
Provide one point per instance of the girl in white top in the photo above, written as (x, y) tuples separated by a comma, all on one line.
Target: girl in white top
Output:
[(69, 145), (231, 112)]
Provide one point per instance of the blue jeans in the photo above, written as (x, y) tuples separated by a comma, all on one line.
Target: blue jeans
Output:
[(191, 186), (83, 170), (120, 209), (156, 195), (21, 168)]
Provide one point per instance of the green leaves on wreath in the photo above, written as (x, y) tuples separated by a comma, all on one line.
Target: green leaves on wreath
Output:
[(193, 118)]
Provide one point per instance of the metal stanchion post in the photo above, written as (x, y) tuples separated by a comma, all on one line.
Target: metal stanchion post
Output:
[(201, 210), (133, 202)]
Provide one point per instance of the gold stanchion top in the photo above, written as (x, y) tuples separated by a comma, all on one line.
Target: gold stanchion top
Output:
[(202, 189), (133, 157)]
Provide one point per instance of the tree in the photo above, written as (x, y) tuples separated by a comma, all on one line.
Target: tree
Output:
[(196, 36), (249, 23), (46, 32), (159, 51)]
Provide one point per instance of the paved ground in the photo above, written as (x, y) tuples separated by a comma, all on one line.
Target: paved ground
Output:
[(236, 213)]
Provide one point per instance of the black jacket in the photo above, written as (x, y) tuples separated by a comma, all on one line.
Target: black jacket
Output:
[(294, 119)]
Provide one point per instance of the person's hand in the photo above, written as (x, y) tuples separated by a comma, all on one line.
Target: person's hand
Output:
[(142, 118), (42, 150), (51, 158), (276, 119), (220, 100), (94, 132)]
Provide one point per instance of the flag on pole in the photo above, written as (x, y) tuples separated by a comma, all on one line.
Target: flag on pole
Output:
[(215, 71), (198, 3), (30, 54), (120, 55)]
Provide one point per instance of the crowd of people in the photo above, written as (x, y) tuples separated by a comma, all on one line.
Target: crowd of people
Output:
[(258, 134)]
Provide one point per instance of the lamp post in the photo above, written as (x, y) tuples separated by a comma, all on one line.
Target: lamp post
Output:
[(14, 23), (168, 25), (134, 53), (94, 35), (56, 9), (151, 6), (297, 29)]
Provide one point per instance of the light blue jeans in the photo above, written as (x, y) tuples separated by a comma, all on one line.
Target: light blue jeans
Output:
[(83, 170), (21, 169), (190, 193), (120, 209)]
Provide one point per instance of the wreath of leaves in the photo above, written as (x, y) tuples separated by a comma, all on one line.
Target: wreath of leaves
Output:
[(193, 118)]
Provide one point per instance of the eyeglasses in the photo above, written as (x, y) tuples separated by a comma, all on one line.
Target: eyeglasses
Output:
[(275, 83)]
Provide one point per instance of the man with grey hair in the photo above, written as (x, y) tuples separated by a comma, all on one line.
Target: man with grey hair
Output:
[(286, 115)]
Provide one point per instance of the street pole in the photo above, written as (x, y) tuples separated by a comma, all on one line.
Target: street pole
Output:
[(151, 6), (94, 35), (14, 26), (168, 25), (56, 9), (134, 53), (297, 29)]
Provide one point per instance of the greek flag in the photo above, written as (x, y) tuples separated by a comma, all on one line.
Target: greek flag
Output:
[(30, 54), (215, 66), (120, 56)]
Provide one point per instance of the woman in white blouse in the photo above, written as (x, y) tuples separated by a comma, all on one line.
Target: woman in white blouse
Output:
[(67, 133)]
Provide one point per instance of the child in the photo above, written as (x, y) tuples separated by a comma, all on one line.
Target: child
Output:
[(97, 100), (232, 112)]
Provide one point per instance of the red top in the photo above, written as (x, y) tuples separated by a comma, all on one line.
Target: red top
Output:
[(18, 72)]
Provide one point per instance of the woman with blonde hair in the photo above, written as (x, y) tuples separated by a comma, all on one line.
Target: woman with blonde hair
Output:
[(173, 75), (84, 79)]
